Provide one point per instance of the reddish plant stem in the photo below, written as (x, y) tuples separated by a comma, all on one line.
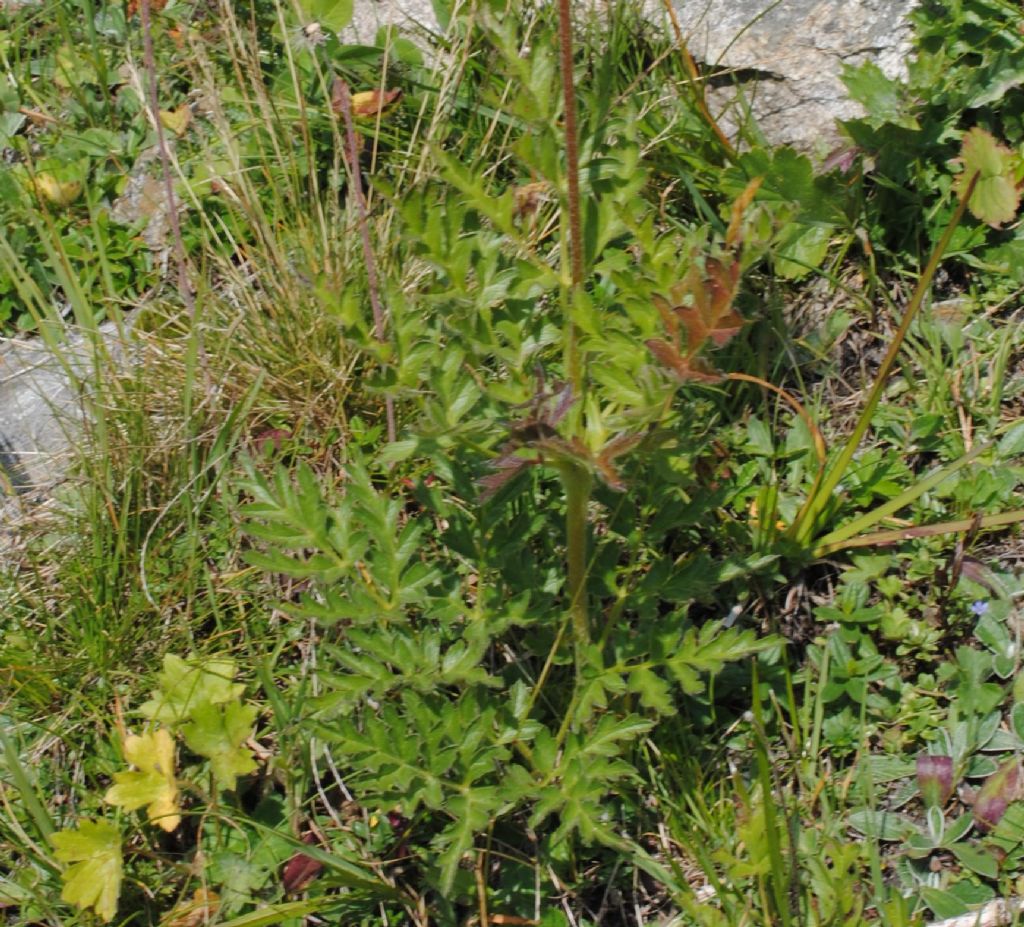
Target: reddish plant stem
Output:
[(181, 259), (576, 481), (344, 98), (572, 157)]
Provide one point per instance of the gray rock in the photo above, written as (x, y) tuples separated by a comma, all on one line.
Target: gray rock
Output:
[(786, 56), (41, 409), (38, 404)]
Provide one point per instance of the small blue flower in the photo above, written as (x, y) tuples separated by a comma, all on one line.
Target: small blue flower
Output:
[(980, 607)]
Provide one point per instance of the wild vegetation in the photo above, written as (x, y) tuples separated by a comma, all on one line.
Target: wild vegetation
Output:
[(512, 500)]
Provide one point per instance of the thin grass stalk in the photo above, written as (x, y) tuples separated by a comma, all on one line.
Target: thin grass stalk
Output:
[(180, 258), (345, 101), (999, 520), (779, 881), (805, 523), (693, 73), (840, 538)]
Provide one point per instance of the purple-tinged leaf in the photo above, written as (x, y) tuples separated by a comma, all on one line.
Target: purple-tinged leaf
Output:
[(1005, 785), (935, 779)]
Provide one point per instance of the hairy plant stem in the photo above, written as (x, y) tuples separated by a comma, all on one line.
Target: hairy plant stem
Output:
[(577, 483), (575, 479), (572, 169), (356, 178)]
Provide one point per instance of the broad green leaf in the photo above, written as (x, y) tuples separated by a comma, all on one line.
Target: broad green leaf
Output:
[(152, 783), (880, 825), (94, 878), (1012, 443), (979, 861), (995, 198), (333, 15), (218, 734), (943, 904), (803, 252), (185, 684), (883, 99)]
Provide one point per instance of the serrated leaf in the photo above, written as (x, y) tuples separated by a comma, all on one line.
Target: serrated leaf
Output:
[(218, 734), (995, 198), (185, 684), (94, 878), (653, 691), (708, 650), (152, 783), (881, 97)]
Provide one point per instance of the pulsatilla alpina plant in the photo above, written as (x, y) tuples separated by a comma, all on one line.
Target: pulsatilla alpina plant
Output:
[(490, 661)]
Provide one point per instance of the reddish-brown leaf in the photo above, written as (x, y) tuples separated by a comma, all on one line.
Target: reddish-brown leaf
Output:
[(684, 368), (199, 910), (722, 282), (366, 103), (300, 871), (605, 462), (668, 315), (697, 329), (506, 468), (739, 207), (154, 6), (530, 196), (935, 779), (667, 355)]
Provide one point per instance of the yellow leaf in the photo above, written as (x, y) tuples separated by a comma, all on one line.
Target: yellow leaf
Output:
[(177, 120), (57, 192), (94, 878), (152, 783), (366, 103)]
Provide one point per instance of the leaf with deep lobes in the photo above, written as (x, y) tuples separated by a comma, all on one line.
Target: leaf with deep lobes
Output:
[(94, 878), (185, 684), (218, 733), (152, 781)]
